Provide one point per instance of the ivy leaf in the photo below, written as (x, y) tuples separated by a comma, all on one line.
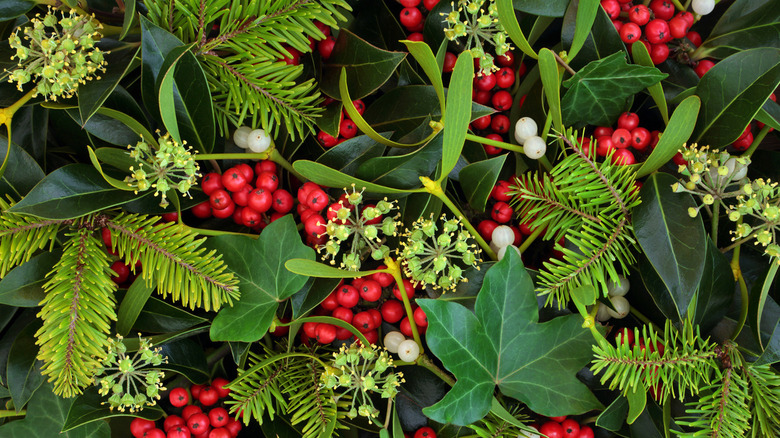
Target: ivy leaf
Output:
[(46, 414), (503, 344), (265, 282), (598, 93)]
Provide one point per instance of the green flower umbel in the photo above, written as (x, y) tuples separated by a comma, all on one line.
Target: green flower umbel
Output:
[(58, 53), (480, 26), (131, 382), (164, 166), (430, 251)]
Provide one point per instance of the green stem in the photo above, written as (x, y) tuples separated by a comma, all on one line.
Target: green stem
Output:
[(678, 5), (496, 143), (737, 272), (277, 158), (757, 140), (209, 232), (434, 188), (234, 156), (428, 364), (395, 270), (530, 239), (715, 217), (12, 413), (641, 316)]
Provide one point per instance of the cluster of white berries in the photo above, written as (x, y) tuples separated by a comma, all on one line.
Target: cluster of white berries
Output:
[(502, 238), (406, 349), (256, 140), (616, 291), (525, 134)]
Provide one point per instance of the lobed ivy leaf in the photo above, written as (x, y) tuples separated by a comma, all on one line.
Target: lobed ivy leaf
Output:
[(599, 92), (265, 282), (502, 343)]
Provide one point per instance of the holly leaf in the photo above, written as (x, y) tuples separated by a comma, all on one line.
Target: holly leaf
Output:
[(502, 343), (265, 282), (46, 414), (599, 92)]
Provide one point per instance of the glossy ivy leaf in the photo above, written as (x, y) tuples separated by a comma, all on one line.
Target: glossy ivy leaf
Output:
[(503, 344), (732, 92), (479, 179), (348, 155), (23, 285), (458, 111), (24, 368), (93, 94), (367, 66), (602, 39), (673, 242), (10, 9), (403, 171), (716, 290), (89, 408), (600, 91), (46, 415), (745, 25), (265, 282), (70, 192), (22, 172)]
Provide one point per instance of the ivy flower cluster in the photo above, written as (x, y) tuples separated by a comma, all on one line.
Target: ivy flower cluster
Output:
[(761, 202), (131, 381), (363, 371), (57, 53), (430, 249), (358, 230), (472, 20), (712, 175), (164, 166)]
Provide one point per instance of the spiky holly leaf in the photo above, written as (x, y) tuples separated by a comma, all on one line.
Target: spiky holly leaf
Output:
[(502, 343)]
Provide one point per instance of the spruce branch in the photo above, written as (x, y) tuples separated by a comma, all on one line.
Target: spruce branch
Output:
[(312, 405), (765, 401), (260, 390), (76, 313), (174, 259), (21, 236)]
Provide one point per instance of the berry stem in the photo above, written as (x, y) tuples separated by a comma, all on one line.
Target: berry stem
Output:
[(564, 64), (757, 140), (394, 269), (12, 413), (715, 217), (496, 143), (527, 242), (434, 188)]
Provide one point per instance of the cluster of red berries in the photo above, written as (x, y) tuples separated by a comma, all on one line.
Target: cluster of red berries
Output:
[(423, 432), (655, 25), (625, 142), (492, 89), (193, 422), (252, 197), (364, 303), (564, 427), (413, 18), (347, 128)]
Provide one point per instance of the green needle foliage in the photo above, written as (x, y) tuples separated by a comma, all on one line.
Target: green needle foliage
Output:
[(589, 203), (21, 236), (77, 313), (243, 61)]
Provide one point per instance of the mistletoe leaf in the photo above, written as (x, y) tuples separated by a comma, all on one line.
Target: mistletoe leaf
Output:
[(599, 92), (264, 281), (46, 415), (458, 111), (673, 242), (503, 344), (69, 192)]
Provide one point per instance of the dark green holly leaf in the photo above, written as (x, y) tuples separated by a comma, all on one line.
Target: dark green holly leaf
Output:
[(106, 128), (732, 92), (24, 368), (10, 9), (132, 304), (185, 357), (23, 285), (158, 316), (745, 25), (46, 414), (503, 344), (673, 242), (156, 43), (367, 66), (547, 8), (420, 390), (93, 94), (716, 290), (30, 133), (348, 155), (331, 118), (403, 171), (89, 407), (70, 192), (22, 172), (599, 92), (419, 205), (265, 282), (478, 179), (615, 415)]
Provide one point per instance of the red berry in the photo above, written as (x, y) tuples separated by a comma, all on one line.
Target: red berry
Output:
[(625, 336), (198, 423), (154, 433), (628, 121), (482, 97), (234, 427), (630, 33), (282, 201), (233, 179), (326, 140), (178, 431), (315, 225), (419, 317), (618, 25), (603, 130), (744, 142), (679, 160), (657, 31), (179, 397), (425, 432), (195, 391), (506, 60), (430, 4), (347, 296), (449, 62), (500, 124), (552, 429), (370, 291), (623, 157), (251, 218), (558, 419), (411, 17), (485, 82), (219, 385), (218, 417), (260, 200), (220, 199), (317, 200), (501, 212), (325, 47), (571, 429), (121, 270), (481, 123), (208, 396), (501, 191), (347, 128), (641, 138), (604, 145), (406, 327), (220, 432), (408, 289), (191, 410), (383, 278), (172, 421), (639, 14), (325, 333), (376, 316), (621, 138), (343, 314), (611, 7), (267, 181), (505, 77), (211, 182), (659, 53), (662, 9), (416, 36), (486, 227), (294, 58), (694, 38), (703, 67), (170, 217), (363, 321), (310, 329), (392, 311), (678, 27), (502, 101), (140, 425), (585, 432)]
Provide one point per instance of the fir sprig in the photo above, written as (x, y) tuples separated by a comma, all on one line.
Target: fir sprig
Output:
[(21, 236), (588, 203), (174, 259), (77, 311)]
